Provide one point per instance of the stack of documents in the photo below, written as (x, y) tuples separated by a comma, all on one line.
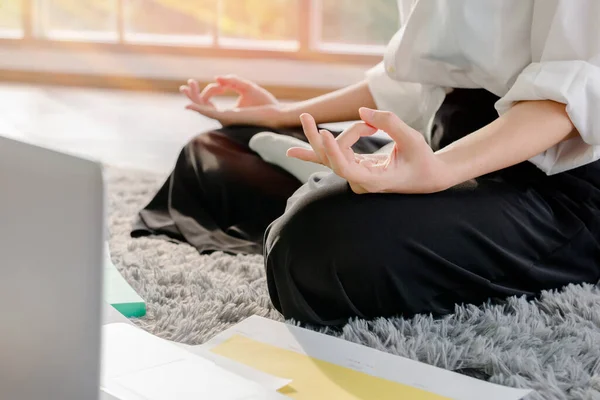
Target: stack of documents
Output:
[(324, 367), (264, 359)]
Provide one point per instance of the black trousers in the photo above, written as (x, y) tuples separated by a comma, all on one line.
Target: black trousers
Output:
[(334, 255)]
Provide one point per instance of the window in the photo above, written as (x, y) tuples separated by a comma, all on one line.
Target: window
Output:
[(272, 23), (261, 23), (169, 21), (300, 28), (89, 20), (10, 18), (357, 23)]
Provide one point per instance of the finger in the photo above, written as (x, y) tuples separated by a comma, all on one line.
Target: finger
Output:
[(186, 90), (347, 152), (194, 91), (367, 163), (226, 117), (314, 138), (351, 135), (211, 90), (206, 110), (337, 161), (193, 84), (388, 122), (303, 154), (384, 120), (236, 83)]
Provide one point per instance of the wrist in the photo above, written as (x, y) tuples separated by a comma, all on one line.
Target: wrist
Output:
[(454, 168), (287, 116)]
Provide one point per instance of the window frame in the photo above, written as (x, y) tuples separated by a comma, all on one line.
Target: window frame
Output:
[(309, 48)]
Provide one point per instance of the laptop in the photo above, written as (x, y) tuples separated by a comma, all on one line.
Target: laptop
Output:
[(51, 255)]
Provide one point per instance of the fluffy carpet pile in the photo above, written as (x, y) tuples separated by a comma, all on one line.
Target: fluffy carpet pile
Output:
[(551, 345)]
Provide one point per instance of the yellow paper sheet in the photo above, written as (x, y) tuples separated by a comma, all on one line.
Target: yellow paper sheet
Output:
[(314, 378)]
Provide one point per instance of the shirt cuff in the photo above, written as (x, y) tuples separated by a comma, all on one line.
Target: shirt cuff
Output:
[(576, 84)]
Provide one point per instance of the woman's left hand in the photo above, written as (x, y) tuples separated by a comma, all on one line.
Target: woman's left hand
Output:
[(411, 167)]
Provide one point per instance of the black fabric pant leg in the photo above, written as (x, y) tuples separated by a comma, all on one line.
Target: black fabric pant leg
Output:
[(335, 255), (221, 196)]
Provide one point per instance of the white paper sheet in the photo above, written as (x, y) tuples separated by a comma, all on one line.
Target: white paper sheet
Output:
[(110, 315), (105, 395), (265, 380), (370, 361), (127, 349), (113, 391), (270, 382), (188, 379), (137, 365)]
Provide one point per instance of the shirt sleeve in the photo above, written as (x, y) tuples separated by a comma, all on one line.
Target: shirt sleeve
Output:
[(414, 103), (566, 69)]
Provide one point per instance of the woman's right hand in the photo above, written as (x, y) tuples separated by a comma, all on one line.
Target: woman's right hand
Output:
[(254, 106)]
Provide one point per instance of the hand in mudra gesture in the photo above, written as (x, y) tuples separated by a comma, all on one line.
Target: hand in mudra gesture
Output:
[(254, 105), (411, 167)]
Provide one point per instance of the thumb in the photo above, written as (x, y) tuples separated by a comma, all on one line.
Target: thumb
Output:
[(206, 110), (389, 122)]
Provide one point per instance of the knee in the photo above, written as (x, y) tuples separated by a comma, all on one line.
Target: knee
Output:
[(216, 151), (296, 265), (313, 224), (230, 137), (210, 140), (295, 247), (296, 238), (319, 267)]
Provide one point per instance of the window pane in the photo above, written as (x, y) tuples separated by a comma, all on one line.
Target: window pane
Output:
[(10, 16), (263, 20), (361, 22), (151, 20), (79, 19)]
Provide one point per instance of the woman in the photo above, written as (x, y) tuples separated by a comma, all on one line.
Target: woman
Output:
[(491, 187)]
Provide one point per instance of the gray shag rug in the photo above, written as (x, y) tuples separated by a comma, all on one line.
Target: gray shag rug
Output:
[(551, 345)]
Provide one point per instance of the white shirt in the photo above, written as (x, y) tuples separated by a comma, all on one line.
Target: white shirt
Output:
[(516, 49)]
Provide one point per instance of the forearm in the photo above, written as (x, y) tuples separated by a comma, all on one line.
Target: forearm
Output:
[(528, 129), (340, 105)]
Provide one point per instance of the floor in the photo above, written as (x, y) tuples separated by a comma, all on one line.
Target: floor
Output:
[(128, 129), (139, 130)]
